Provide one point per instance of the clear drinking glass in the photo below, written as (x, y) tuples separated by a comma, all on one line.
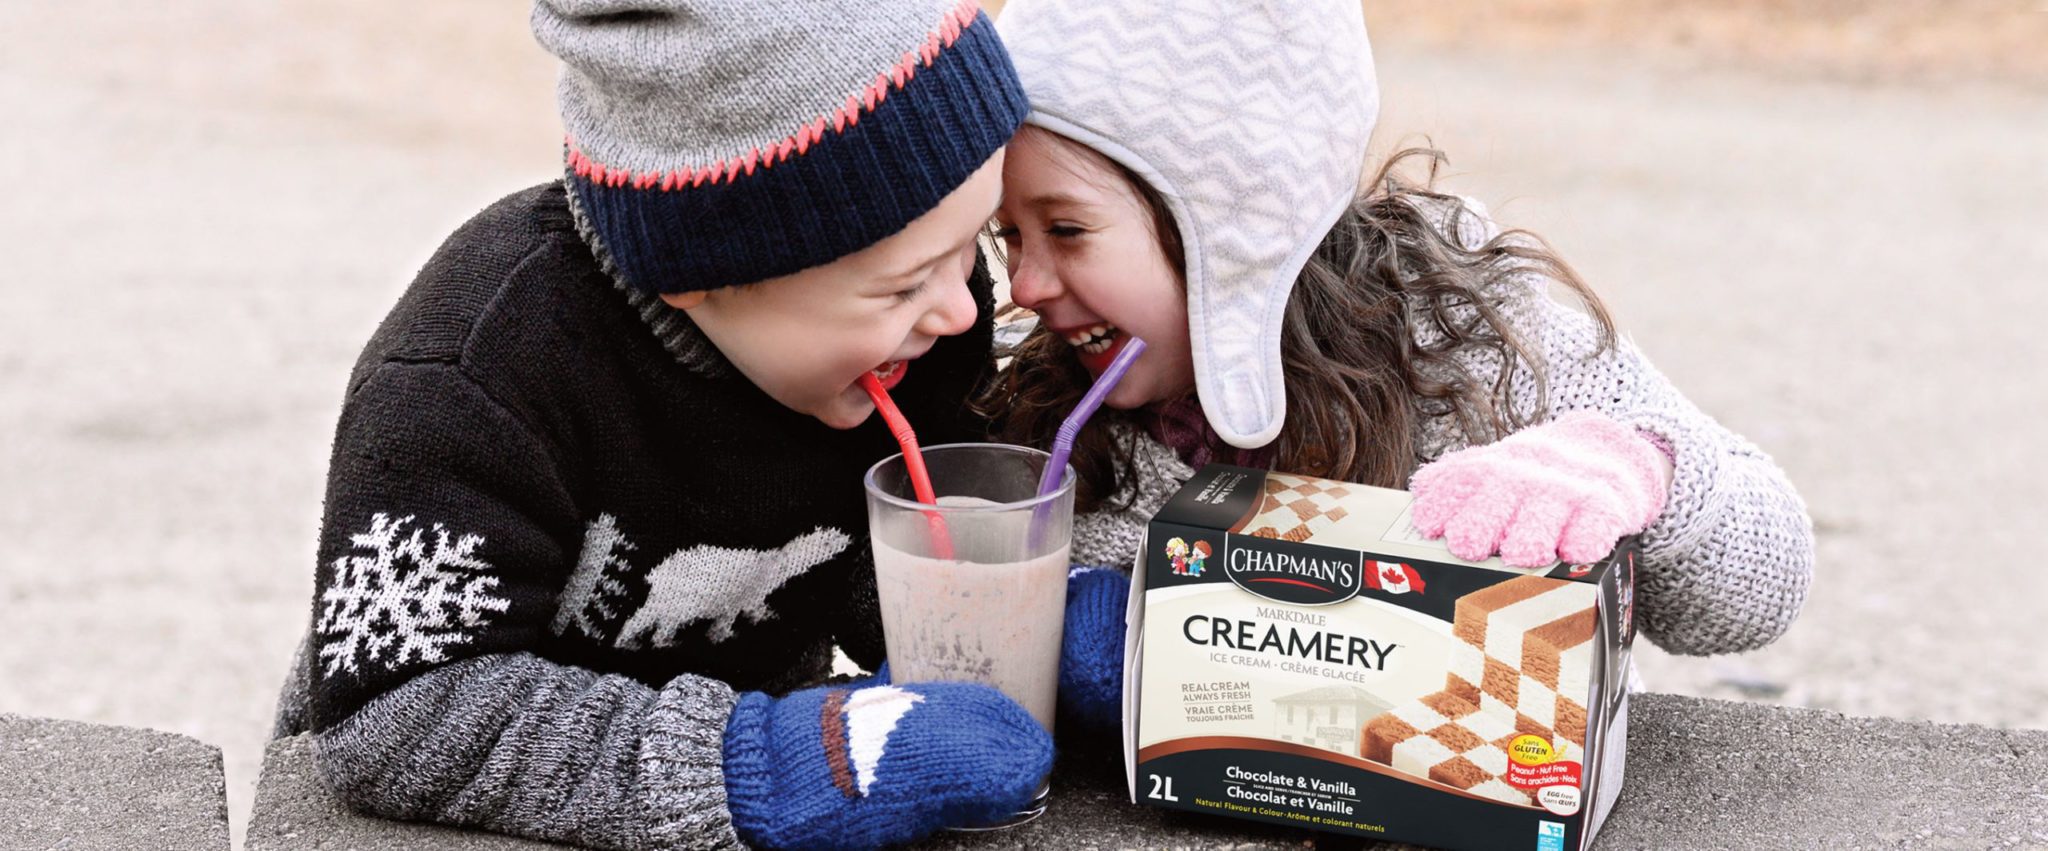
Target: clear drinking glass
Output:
[(991, 610)]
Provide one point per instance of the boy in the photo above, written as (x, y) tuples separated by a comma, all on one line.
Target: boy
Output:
[(594, 494)]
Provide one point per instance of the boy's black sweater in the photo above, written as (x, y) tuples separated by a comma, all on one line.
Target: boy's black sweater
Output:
[(561, 530)]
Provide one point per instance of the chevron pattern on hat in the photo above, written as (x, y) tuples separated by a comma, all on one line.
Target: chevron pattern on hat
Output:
[(1250, 117)]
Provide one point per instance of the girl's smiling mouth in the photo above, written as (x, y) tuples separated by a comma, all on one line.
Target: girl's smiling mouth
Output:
[(1096, 345)]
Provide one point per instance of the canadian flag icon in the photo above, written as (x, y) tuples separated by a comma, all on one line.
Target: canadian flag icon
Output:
[(1392, 577)]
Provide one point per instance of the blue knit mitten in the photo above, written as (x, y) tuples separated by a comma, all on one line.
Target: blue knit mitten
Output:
[(859, 768), (1092, 649)]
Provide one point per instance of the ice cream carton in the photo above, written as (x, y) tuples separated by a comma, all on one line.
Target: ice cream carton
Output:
[(1298, 654)]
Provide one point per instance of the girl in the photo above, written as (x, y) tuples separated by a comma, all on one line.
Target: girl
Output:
[(1190, 176)]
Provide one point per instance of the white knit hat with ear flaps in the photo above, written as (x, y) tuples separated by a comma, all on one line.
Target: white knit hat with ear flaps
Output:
[(1250, 117)]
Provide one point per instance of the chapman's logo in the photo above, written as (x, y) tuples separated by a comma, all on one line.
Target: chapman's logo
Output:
[(1305, 577)]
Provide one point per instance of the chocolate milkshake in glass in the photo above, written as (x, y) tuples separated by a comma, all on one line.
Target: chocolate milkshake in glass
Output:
[(991, 610)]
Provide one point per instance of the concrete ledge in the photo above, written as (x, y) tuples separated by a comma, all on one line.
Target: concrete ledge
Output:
[(67, 784), (294, 810), (1713, 773), (1701, 774)]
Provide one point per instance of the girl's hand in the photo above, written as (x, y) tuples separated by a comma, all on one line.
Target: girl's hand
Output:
[(1092, 649), (1568, 489)]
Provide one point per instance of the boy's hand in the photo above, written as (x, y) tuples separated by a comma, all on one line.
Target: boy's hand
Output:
[(1568, 489), (860, 768), (1092, 648)]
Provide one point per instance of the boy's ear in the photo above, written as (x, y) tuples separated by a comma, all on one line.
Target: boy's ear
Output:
[(685, 301)]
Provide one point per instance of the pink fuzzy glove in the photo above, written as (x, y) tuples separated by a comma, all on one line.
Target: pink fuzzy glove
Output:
[(1567, 489)]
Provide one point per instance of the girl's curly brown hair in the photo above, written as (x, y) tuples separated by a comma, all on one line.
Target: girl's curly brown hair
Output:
[(1357, 379)]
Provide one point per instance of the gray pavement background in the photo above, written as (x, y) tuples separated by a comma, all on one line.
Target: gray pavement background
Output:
[(212, 203)]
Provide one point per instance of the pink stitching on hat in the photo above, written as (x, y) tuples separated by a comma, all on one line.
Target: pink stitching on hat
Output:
[(847, 115)]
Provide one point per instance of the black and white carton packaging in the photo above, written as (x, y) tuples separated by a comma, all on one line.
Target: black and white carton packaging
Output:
[(1298, 654)]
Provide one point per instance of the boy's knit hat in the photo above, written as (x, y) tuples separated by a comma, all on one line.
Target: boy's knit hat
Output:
[(713, 143), (1251, 118)]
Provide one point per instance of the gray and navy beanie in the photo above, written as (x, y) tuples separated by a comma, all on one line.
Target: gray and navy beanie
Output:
[(713, 143)]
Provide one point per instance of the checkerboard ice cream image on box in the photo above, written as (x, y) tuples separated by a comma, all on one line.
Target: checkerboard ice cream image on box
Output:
[(1299, 654)]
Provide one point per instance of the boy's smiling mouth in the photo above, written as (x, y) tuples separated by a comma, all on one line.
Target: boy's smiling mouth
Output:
[(891, 373)]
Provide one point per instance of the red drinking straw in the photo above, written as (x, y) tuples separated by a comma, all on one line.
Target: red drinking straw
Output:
[(913, 461)]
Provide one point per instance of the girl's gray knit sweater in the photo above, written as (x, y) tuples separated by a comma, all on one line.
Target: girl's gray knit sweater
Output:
[(1726, 567)]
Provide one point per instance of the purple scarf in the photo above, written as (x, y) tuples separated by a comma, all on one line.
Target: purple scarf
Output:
[(1181, 425)]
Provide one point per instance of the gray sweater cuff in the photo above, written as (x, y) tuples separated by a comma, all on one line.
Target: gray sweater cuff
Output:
[(682, 765), (1726, 567), (1696, 504)]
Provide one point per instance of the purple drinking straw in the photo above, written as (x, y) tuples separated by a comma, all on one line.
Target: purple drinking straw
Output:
[(1063, 444)]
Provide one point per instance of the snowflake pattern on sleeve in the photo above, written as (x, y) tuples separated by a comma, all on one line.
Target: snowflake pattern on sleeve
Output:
[(403, 595)]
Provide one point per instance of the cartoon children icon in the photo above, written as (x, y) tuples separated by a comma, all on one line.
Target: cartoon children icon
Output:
[(1177, 550), (1196, 555)]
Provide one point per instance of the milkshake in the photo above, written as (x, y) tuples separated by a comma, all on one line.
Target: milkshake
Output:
[(994, 623), (974, 587)]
